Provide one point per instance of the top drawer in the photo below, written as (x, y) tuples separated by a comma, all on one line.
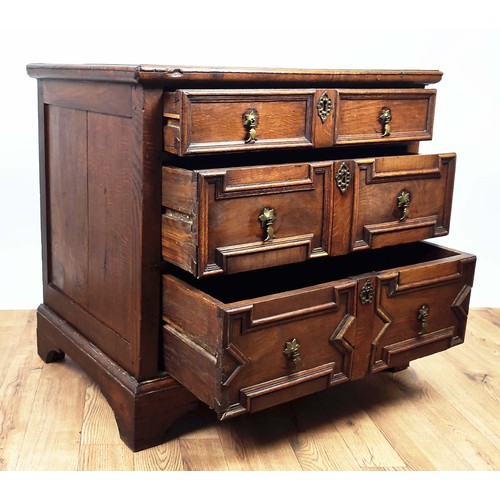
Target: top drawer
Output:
[(211, 121)]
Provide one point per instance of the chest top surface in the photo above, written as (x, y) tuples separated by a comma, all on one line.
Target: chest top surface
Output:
[(175, 76)]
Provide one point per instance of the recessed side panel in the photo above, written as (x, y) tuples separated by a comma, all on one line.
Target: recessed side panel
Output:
[(66, 181)]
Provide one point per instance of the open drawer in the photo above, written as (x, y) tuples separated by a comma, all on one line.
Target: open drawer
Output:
[(247, 342), (228, 120), (230, 220)]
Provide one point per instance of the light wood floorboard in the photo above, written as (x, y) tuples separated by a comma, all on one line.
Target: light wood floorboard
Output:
[(442, 413)]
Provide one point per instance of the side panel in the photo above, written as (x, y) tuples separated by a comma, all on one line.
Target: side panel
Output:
[(114, 223), (96, 215), (66, 153)]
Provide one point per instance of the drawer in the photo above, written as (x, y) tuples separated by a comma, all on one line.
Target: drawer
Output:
[(244, 343), (398, 199), (238, 219), (213, 120), (231, 220), (208, 121), (374, 116)]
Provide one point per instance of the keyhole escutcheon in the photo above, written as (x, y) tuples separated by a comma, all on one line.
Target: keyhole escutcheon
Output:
[(324, 106)]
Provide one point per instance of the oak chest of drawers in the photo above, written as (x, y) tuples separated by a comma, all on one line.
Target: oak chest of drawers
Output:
[(241, 238)]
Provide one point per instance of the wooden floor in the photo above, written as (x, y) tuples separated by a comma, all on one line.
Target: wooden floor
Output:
[(443, 413)]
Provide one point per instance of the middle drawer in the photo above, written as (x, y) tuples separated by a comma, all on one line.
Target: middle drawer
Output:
[(230, 220)]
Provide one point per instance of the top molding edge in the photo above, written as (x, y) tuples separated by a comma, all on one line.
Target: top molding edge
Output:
[(176, 76)]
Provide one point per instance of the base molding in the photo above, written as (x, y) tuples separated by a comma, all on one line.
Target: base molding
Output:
[(144, 410)]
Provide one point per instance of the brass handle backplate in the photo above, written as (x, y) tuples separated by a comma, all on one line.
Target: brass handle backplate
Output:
[(403, 201), (250, 122), (292, 353), (384, 118), (267, 218), (423, 317)]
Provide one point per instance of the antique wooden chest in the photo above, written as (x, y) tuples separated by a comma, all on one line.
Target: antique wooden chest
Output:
[(241, 238)]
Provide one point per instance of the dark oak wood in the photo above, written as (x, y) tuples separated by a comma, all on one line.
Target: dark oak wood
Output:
[(237, 363), (127, 196), (211, 220), (210, 121), (101, 176), (376, 218), (177, 76), (358, 111), (211, 224)]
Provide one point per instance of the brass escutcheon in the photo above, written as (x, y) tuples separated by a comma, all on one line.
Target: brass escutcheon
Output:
[(267, 218), (324, 106), (292, 353), (343, 177), (384, 118), (403, 201), (250, 122), (423, 316), (366, 294)]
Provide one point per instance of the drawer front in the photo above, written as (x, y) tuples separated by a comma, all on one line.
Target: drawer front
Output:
[(420, 312), (267, 351), (373, 116), (401, 199), (209, 121), (246, 218), (241, 344), (243, 218)]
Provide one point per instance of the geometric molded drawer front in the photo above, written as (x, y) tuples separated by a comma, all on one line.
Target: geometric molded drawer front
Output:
[(244, 343), (373, 116), (401, 199), (215, 120), (422, 311), (215, 219), (208, 121), (230, 220)]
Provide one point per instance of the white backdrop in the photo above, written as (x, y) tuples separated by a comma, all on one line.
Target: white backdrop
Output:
[(460, 39)]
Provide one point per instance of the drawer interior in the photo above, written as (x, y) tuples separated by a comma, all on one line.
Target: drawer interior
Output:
[(253, 158), (253, 284)]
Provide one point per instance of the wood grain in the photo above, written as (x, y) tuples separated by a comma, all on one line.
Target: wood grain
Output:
[(66, 151), (357, 115), (237, 365), (208, 121), (440, 414), (211, 221), (114, 223), (171, 76)]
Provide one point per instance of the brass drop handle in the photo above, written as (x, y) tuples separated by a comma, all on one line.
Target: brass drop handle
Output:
[(267, 218), (403, 201), (292, 353), (250, 122), (423, 317), (384, 118)]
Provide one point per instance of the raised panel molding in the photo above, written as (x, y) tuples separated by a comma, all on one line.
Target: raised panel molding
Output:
[(372, 171), (240, 255), (390, 285)]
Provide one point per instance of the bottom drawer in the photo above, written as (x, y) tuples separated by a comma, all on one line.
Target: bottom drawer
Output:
[(250, 341)]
